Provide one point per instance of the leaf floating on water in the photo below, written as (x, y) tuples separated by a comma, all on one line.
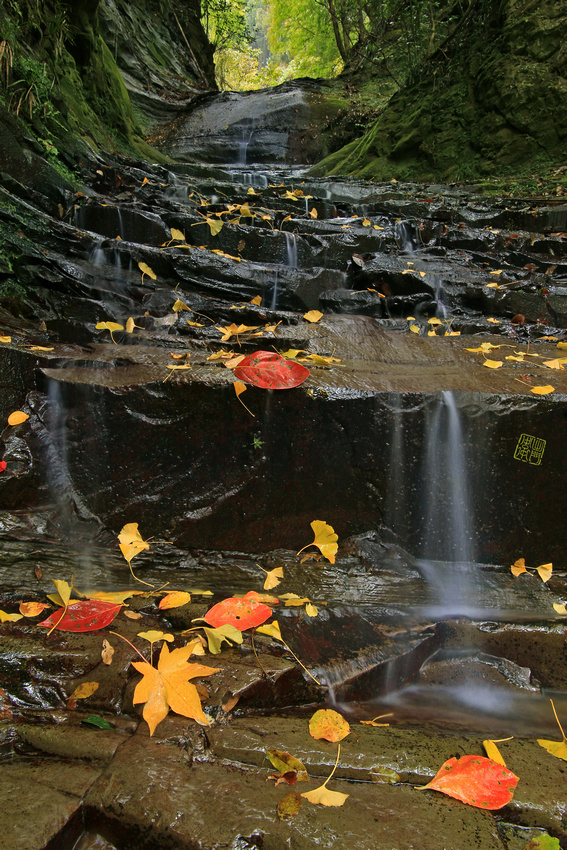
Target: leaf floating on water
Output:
[(545, 390), (484, 347), (169, 687), (313, 316), (85, 616), (145, 269), (17, 417), (555, 748), (311, 610), (325, 540), (475, 780), (329, 725), (269, 370), (130, 325)]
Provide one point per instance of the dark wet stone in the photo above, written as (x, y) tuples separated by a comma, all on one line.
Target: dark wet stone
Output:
[(33, 814)]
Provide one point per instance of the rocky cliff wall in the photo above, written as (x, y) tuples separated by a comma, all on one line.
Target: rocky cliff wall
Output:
[(493, 101)]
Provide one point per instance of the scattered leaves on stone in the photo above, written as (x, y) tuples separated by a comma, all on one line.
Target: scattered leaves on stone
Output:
[(284, 762), (325, 540), (145, 269), (131, 544), (271, 629), (492, 750), (109, 326), (269, 370), (273, 577), (84, 690), (32, 609), (107, 652), (168, 687), (544, 570), (89, 615), (543, 390), (227, 634), (476, 781), (313, 316), (328, 725)]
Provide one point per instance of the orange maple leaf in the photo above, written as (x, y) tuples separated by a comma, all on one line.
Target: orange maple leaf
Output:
[(168, 686)]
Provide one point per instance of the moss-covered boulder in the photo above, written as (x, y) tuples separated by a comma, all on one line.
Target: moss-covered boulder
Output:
[(492, 101)]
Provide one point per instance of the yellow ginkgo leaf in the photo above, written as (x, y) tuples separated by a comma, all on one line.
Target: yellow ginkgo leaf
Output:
[(145, 269), (17, 417), (493, 364), (322, 796), (9, 618), (239, 388), (544, 572), (518, 567), (494, 321), (154, 635), (273, 577), (109, 326), (560, 608), (313, 316), (483, 347), (311, 610), (40, 348), (492, 750), (325, 540), (545, 390), (5, 339), (257, 300), (196, 325), (553, 364), (513, 357), (313, 213), (179, 306), (498, 271), (374, 722), (175, 599), (366, 222), (130, 325), (434, 321), (493, 285), (177, 235), (414, 329), (130, 540), (555, 748), (272, 629)]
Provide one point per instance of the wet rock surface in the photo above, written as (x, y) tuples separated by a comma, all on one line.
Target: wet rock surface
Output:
[(419, 618)]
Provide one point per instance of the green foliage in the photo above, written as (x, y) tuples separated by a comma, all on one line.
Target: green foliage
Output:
[(301, 35)]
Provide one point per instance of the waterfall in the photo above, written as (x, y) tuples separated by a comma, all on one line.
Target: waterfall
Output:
[(291, 249)]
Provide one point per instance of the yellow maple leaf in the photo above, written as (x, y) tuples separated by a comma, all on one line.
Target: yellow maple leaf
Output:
[(5, 339), (168, 687)]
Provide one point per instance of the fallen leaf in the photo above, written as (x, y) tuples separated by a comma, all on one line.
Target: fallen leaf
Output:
[(98, 722), (492, 750), (313, 213), (109, 326), (169, 687), (555, 748), (32, 609), (544, 571), (145, 269), (292, 599), (3, 465), (271, 629), (543, 842), (130, 325), (374, 721), (85, 616), (311, 610), (289, 805), (284, 762), (545, 390), (130, 540), (9, 618), (242, 613), (40, 348), (493, 364), (132, 615), (84, 690), (554, 364), (107, 652), (235, 330), (289, 777), (5, 339), (273, 577), (153, 635), (518, 567), (484, 347), (322, 796), (328, 724), (177, 235), (414, 329), (325, 540), (227, 633), (366, 222), (17, 417), (313, 316), (494, 321), (475, 780), (269, 370), (111, 595), (257, 300), (175, 599), (179, 306), (560, 608)]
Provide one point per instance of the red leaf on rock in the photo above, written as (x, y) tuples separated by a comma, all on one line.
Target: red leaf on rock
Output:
[(476, 780), (87, 616), (271, 371), (241, 613)]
